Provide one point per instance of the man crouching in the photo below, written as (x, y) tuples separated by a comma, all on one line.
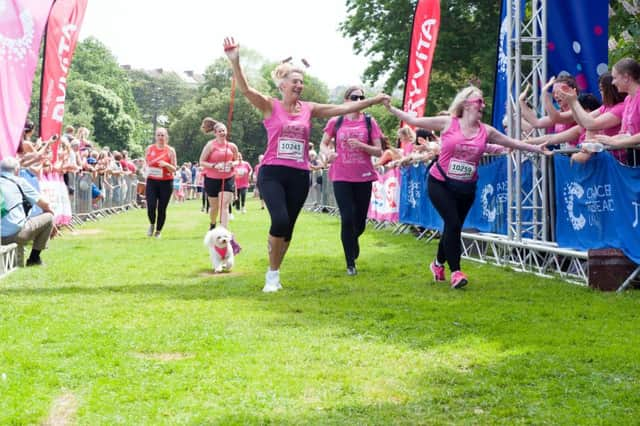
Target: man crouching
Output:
[(17, 226)]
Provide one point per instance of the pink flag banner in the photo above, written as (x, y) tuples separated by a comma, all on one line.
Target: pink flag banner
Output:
[(52, 187), (22, 23), (385, 197), (63, 29)]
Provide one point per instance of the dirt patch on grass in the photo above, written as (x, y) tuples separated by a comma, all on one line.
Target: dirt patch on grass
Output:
[(63, 411), (163, 356)]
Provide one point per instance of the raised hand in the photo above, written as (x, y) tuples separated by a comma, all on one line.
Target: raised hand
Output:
[(547, 86), (231, 49)]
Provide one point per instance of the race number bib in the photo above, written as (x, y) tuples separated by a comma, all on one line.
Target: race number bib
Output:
[(154, 172), (291, 149), (461, 170)]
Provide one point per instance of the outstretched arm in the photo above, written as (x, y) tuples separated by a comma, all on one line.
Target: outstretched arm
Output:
[(257, 99), (619, 141), (331, 110), (529, 115), (495, 136), (438, 123)]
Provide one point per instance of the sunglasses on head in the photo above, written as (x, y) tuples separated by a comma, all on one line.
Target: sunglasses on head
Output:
[(356, 97)]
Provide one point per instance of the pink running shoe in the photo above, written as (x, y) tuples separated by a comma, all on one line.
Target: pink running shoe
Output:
[(437, 271), (458, 280)]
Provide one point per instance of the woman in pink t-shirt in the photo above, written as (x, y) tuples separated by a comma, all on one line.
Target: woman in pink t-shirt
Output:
[(555, 120), (352, 171), (626, 77), (284, 174), (217, 159), (452, 180), (243, 173), (605, 120)]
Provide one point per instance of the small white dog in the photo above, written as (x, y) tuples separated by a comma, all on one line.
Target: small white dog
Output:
[(218, 241)]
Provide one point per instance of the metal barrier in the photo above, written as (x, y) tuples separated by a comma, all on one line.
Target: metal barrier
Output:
[(114, 194), (544, 258)]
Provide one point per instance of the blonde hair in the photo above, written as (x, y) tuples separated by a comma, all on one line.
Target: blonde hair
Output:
[(282, 72), (82, 133), (458, 102), (406, 131)]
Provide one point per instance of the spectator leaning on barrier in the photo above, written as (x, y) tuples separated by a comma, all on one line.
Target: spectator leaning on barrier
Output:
[(17, 227)]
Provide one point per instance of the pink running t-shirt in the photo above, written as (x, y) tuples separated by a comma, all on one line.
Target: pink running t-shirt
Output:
[(352, 165), (222, 154), (243, 170), (459, 155), (288, 136), (631, 115)]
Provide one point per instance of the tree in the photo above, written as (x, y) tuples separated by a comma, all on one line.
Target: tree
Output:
[(467, 43), (624, 30)]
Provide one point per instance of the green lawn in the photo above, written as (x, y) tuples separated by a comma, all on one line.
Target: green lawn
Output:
[(118, 328)]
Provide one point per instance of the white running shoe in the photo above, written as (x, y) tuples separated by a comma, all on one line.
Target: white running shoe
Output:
[(272, 282), (230, 216), (150, 231), (244, 211)]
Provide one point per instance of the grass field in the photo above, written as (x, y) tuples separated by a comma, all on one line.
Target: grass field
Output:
[(118, 328)]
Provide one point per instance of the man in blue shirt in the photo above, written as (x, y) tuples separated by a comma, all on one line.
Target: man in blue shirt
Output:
[(16, 226)]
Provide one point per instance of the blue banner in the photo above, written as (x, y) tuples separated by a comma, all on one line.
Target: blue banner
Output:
[(500, 83), (489, 210), (598, 205), (577, 40)]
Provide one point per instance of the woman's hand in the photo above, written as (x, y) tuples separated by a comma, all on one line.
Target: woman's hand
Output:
[(567, 97), (354, 143), (547, 86), (231, 49), (163, 163)]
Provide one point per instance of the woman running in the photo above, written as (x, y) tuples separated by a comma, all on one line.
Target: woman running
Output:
[(356, 138), (284, 175), (161, 163), (452, 179), (217, 159)]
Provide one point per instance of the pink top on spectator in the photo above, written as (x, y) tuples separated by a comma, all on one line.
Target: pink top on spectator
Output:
[(352, 165), (288, 136), (407, 147), (631, 115), (222, 155), (459, 155), (243, 170), (559, 128), (617, 110)]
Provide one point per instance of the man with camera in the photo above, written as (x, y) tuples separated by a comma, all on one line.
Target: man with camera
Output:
[(17, 227)]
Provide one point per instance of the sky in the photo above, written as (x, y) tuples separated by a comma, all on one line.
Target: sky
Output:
[(187, 34)]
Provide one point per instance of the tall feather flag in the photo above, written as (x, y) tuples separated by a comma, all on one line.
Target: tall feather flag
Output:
[(22, 24), (63, 29), (424, 36)]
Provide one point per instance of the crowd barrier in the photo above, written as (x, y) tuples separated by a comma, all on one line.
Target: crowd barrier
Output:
[(595, 205), (75, 199)]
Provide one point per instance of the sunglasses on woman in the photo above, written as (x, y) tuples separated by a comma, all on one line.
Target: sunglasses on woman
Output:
[(356, 97), (478, 101)]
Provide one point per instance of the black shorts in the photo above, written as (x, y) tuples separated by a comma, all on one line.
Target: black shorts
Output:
[(214, 186)]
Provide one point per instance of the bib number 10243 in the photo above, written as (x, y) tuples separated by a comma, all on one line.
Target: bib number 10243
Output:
[(291, 149)]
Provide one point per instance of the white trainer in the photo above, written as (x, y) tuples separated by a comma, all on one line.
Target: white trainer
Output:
[(272, 282), (150, 230), (231, 216)]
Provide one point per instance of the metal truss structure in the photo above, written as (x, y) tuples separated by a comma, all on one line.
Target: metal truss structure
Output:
[(528, 247)]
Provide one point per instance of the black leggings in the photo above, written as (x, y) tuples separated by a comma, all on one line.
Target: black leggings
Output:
[(242, 198), (453, 208), (353, 200), (158, 195), (205, 201), (284, 190)]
